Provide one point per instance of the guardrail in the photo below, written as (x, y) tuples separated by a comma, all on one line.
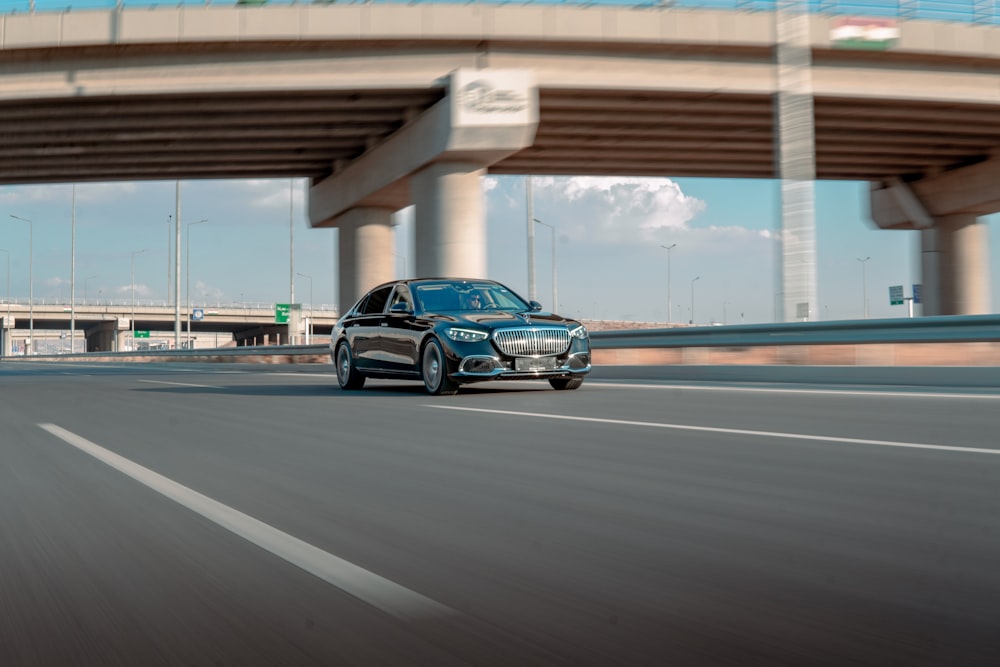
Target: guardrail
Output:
[(950, 329), (963, 11), (861, 333)]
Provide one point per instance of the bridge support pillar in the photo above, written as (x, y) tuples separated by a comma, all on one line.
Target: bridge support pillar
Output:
[(107, 336), (6, 336), (954, 263), (366, 247), (450, 222)]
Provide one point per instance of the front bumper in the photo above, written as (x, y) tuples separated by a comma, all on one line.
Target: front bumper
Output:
[(487, 367)]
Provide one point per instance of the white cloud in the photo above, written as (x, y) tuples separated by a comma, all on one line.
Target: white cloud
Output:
[(621, 210)]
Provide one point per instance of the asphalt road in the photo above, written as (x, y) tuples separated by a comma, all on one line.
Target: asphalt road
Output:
[(231, 515)]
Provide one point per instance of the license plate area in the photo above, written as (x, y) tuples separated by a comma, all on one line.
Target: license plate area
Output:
[(534, 363)]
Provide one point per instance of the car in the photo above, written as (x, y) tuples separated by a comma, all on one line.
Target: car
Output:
[(453, 331)]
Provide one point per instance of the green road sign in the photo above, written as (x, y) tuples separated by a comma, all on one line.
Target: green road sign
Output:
[(896, 295), (141, 334), (281, 311)]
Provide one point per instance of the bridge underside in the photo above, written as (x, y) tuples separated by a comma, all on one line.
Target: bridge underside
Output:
[(580, 132)]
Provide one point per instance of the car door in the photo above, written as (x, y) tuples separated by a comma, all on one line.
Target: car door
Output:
[(363, 330), (398, 339)]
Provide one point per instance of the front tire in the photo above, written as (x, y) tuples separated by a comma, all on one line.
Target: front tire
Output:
[(434, 369), (348, 375), (565, 384)]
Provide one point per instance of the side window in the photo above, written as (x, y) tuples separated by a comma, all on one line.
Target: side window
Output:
[(401, 295), (375, 303)]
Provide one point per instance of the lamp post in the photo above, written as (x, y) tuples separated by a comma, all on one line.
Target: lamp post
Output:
[(131, 323), (86, 282), (692, 297), (668, 248), (555, 300), (3, 329), (864, 283), (187, 287), (31, 282), (309, 330), (170, 222), (291, 260)]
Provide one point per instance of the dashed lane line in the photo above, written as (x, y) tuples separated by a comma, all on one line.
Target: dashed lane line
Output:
[(362, 584), (728, 431)]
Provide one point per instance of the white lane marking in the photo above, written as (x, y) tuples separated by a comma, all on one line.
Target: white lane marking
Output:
[(181, 384), (304, 375), (368, 587), (789, 390), (728, 431)]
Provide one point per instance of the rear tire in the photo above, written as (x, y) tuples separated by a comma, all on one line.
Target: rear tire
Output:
[(347, 373), (565, 384), (434, 369)]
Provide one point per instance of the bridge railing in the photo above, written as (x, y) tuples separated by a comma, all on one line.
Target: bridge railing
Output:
[(965, 11)]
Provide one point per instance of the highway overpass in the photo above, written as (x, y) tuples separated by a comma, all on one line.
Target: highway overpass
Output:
[(383, 106), (110, 327)]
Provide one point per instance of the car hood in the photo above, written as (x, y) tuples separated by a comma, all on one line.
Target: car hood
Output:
[(493, 319)]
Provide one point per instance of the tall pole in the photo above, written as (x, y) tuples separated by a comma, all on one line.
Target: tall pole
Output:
[(177, 265), (668, 248), (170, 220), (3, 330), (692, 297), (864, 284), (86, 282), (131, 324), (187, 288), (555, 302), (291, 264), (72, 278), (530, 204), (31, 282), (309, 329)]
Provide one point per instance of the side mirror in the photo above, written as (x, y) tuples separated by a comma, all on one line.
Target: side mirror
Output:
[(400, 308), (535, 306)]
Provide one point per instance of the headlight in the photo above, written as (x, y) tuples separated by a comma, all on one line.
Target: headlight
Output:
[(579, 332), (466, 335)]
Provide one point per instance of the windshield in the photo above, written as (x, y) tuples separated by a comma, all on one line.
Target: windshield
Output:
[(440, 296)]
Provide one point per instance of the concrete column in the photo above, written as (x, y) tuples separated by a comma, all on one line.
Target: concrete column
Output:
[(5, 338), (450, 220), (955, 266), (366, 252)]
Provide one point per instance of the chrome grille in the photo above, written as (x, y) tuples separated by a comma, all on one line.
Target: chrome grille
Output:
[(531, 341)]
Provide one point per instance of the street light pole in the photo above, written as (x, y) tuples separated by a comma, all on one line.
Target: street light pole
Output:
[(187, 287), (309, 330), (72, 277), (86, 282), (864, 283), (291, 262), (3, 329), (668, 248), (31, 282), (692, 297), (555, 300), (529, 200), (131, 323)]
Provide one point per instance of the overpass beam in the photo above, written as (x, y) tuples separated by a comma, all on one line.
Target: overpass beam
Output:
[(450, 222), (366, 247)]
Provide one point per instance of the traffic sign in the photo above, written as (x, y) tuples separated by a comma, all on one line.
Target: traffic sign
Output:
[(281, 311), (917, 290), (141, 334), (198, 314), (896, 295)]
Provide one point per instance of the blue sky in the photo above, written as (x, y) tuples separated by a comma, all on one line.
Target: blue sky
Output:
[(609, 232)]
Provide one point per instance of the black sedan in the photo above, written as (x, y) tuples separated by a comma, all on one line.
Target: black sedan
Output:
[(449, 331)]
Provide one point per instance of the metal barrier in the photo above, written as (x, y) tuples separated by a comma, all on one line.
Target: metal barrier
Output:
[(950, 329)]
